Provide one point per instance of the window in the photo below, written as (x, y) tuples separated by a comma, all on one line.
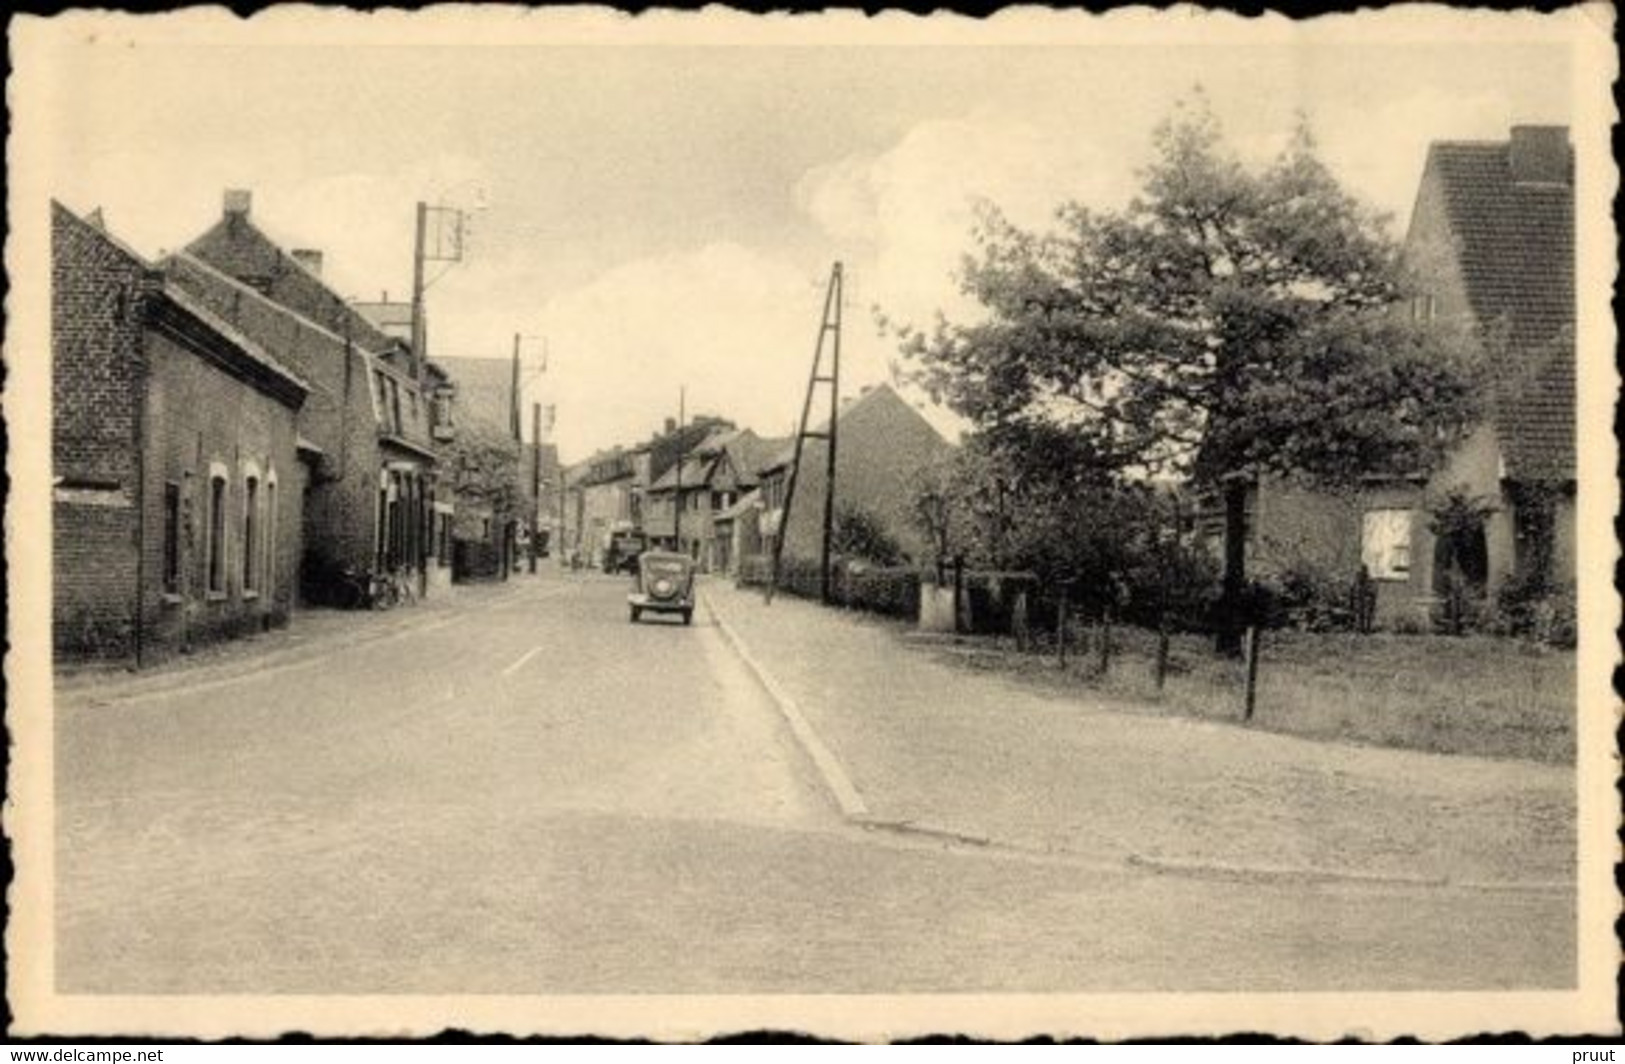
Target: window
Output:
[(1385, 544), (172, 538), (271, 517), (394, 405), (1424, 308), (251, 544), (215, 563)]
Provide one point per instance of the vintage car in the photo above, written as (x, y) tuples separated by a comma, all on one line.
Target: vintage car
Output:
[(621, 553), (662, 583)]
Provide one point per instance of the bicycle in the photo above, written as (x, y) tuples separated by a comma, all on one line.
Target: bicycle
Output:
[(401, 586)]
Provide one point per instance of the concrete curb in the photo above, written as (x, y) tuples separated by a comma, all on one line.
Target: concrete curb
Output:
[(829, 769), (1299, 874)]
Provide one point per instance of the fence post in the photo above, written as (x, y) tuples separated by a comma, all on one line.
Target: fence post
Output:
[(1251, 648), (1060, 622), (1018, 620), (959, 591), (1105, 661), (1162, 649)]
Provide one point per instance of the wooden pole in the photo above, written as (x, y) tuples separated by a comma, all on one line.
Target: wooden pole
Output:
[(959, 592), (834, 424), (1162, 649), (1251, 650), (535, 481), (813, 380), (1060, 625), (1105, 660)]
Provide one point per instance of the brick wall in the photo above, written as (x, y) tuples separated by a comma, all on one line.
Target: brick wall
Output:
[(340, 515), (97, 362), (199, 418)]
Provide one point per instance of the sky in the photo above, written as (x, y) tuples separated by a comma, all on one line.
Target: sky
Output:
[(660, 214)]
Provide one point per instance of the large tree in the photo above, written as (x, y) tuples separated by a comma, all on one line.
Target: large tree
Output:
[(1228, 325)]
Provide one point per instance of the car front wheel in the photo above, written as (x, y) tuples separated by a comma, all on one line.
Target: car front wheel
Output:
[(634, 612)]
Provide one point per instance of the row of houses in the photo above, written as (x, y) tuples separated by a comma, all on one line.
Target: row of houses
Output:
[(717, 492), (229, 434)]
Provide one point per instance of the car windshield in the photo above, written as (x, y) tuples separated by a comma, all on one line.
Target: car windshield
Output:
[(663, 567)]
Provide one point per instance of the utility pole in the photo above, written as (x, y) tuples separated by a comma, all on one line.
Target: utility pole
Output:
[(513, 394), (418, 332), (535, 481), (677, 512), (830, 323)]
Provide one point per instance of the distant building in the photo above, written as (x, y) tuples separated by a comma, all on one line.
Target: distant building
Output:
[(882, 443), (176, 480)]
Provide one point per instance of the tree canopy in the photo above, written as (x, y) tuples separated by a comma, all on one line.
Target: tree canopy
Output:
[(483, 464), (1228, 325), (1225, 322)]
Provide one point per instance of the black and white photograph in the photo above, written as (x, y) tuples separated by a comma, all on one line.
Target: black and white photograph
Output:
[(552, 521)]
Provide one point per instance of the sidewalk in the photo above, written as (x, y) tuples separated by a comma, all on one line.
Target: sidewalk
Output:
[(311, 635), (980, 758)]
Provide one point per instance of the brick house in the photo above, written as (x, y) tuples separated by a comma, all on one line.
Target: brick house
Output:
[(177, 487), (882, 443), (1491, 245), (371, 502)]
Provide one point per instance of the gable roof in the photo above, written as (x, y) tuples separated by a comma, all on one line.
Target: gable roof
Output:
[(1514, 244), (879, 403), (747, 452), (220, 341), (291, 383), (236, 246)]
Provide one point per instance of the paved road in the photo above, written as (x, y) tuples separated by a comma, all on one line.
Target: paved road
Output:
[(530, 795)]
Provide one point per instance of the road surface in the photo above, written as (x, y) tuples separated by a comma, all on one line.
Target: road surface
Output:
[(531, 795)]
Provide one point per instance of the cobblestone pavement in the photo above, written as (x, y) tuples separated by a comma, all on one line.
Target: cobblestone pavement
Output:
[(529, 795)]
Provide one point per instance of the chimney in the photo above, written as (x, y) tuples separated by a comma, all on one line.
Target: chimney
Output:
[(671, 425), (1540, 154), (309, 258), (237, 202)]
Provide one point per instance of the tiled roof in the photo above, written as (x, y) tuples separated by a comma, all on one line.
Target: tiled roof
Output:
[(881, 397), (696, 472), (1515, 248), (228, 332), (749, 452), (237, 246), (1534, 416)]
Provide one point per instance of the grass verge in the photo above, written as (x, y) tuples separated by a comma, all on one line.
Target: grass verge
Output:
[(1473, 695)]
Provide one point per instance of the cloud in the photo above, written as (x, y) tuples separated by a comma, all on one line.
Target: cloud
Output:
[(730, 323), (911, 208)]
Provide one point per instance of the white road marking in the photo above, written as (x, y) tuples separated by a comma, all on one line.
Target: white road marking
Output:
[(516, 666)]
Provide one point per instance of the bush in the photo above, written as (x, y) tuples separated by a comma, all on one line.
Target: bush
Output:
[(893, 591), (1530, 608), (1310, 598)]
